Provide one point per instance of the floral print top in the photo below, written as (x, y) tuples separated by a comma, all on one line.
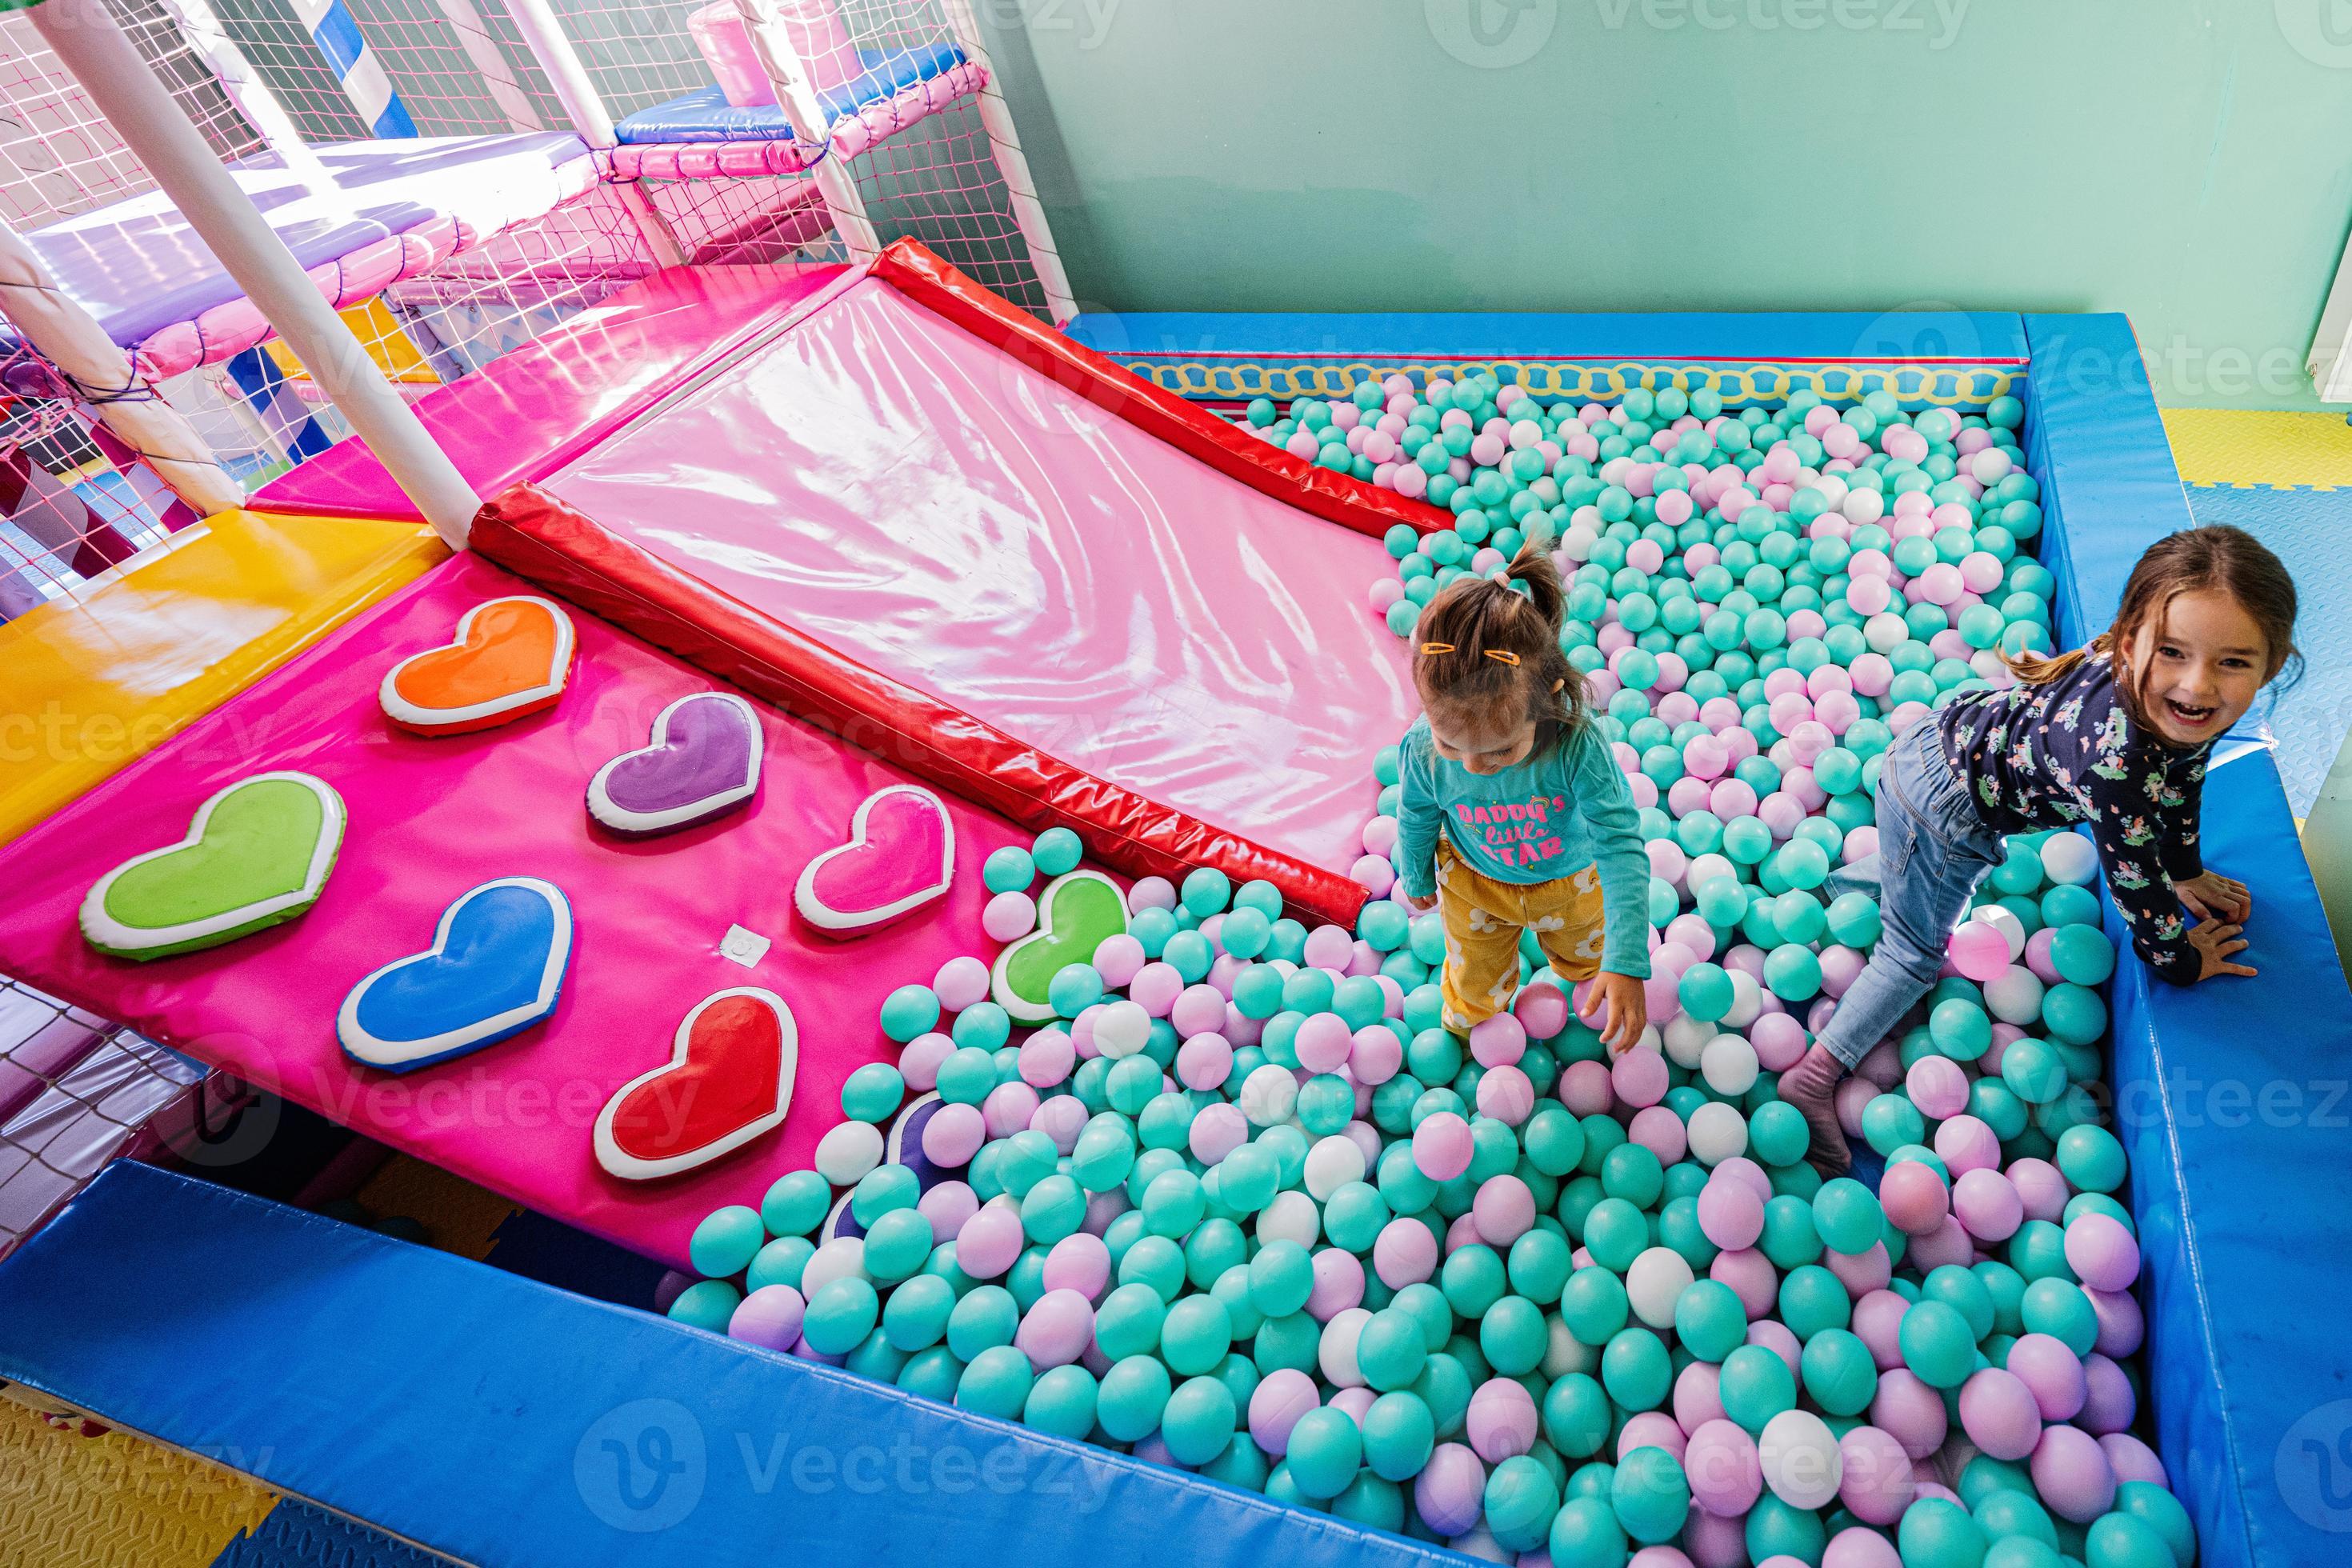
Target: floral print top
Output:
[(2067, 753)]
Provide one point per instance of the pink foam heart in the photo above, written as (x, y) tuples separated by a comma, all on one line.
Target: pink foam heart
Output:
[(900, 856)]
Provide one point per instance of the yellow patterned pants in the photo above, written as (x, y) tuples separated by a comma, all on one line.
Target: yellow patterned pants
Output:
[(1483, 921)]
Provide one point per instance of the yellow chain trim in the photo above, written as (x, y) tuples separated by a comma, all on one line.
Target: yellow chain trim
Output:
[(1914, 386)]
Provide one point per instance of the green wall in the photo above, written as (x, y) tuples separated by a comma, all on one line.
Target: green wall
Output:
[(2187, 162)]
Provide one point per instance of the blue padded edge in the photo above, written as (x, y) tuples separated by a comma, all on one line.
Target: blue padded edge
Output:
[(1763, 335), (2244, 1290), (490, 1418), (705, 115)]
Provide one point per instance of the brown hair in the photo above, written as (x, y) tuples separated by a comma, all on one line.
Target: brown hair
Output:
[(2218, 557), (1484, 645)]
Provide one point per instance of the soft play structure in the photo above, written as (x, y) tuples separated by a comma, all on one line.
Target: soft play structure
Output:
[(602, 775)]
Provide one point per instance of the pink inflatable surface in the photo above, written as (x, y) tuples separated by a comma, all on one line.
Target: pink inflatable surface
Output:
[(431, 818), (936, 510)]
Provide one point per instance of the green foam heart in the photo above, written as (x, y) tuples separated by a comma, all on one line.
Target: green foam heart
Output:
[(257, 854), (1077, 912)]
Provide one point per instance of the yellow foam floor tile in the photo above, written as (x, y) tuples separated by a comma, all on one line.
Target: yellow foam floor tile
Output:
[(2251, 447), (113, 1500)]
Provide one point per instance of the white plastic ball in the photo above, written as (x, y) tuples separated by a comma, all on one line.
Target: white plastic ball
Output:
[(2011, 929), (1716, 1133), (1863, 506), (1292, 1217), (843, 1257), (1564, 1352), (1121, 1029), (846, 1153), (1801, 1461), (1337, 1352), (1480, 1543), (1577, 542), (1728, 1065), (1685, 1038), (1886, 632), (1704, 868), (1331, 1164), (2014, 995), (1655, 1282), (1747, 1000), (2069, 858), (1269, 1096)]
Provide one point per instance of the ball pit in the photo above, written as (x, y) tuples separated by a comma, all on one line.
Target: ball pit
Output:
[(1253, 1213)]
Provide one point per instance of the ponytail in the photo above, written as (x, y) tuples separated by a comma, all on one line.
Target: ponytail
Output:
[(1491, 645)]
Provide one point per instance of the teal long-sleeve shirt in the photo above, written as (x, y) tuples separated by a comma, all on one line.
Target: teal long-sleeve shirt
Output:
[(1549, 816)]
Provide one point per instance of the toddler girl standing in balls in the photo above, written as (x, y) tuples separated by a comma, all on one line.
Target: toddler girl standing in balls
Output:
[(2114, 735), (1514, 815)]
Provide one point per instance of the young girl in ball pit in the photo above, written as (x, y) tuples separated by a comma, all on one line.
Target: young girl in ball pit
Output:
[(2115, 735), (1514, 815)]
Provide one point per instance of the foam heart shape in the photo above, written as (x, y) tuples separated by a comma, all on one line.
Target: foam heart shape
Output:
[(510, 657), (702, 762), (256, 855), (900, 856), (728, 1079), (496, 967), (1074, 916)]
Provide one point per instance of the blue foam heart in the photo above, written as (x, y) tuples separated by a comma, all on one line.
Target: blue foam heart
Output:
[(496, 967)]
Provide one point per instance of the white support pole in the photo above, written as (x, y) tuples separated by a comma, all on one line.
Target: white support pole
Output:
[(771, 24), (64, 334), (996, 117), (487, 58), (544, 37), (89, 44)]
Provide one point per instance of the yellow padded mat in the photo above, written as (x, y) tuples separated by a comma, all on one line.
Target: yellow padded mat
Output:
[(2249, 447), (90, 684), (113, 1501)]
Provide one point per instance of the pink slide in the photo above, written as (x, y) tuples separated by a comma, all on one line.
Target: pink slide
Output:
[(430, 818)]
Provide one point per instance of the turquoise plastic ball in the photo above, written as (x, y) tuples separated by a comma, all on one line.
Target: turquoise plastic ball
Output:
[(726, 1241), (909, 1011), (1010, 870)]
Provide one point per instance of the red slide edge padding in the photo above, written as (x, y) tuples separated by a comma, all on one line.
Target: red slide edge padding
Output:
[(1334, 497), (536, 535)]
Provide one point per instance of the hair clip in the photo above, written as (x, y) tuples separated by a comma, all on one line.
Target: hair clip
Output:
[(1437, 648), (1502, 656)]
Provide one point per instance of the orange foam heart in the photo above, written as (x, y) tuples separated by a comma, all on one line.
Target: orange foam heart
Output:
[(510, 657)]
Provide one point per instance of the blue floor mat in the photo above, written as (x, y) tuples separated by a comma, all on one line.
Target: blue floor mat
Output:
[(2310, 530), (297, 1535)]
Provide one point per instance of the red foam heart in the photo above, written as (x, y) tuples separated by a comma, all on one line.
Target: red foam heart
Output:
[(728, 1079)]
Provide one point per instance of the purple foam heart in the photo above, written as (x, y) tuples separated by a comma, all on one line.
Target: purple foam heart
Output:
[(702, 762)]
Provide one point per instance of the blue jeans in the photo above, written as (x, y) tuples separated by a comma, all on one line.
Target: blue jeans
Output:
[(1933, 851)]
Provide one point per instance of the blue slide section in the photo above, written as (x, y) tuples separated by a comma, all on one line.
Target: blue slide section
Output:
[(497, 1420), (2231, 1096)]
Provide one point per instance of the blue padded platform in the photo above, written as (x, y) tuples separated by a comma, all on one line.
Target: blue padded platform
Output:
[(496, 1420), (705, 115), (2310, 530), (2231, 1096)]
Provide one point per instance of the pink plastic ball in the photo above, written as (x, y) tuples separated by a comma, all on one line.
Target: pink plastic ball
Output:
[(1405, 1254), (1964, 1144), (1877, 1483), (1009, 916), (1008, 1108), (946, 1206), (953, 1135), (960, 981), (1448, 1493), (1861, 1272), (2071, 1473), (1501, 1422), (1731, 1212), (1339, 1284), (1725, 1474), (1506, 1094), (1155, 988), (1216, 1131), (1056, 1330), (1914, 1196), (1999, 1414), (1698, 1395), (1080, 1263), (1909, 1411), (2133, 1460), (1938, 1086), (1640, 1076), (919, 1060), (2043, 1188), (1542, 1011), (1442, 1146), (1376, 1055), (1585, 1088), (2101, 1252), (1749, 1276), (2053, 1371), (1281, 1398), (2122, 1327), (1856, 1547), (769, 1317), (1877, 1322), (1202, 1062), (1660, 1131), (1978, 950), (1323, 1042), (1987, 1205), (990, 1240), (2109, 1405), (1947, 1243), (1499, 1041)]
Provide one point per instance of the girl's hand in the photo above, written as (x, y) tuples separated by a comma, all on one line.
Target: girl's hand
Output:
[(1627, 1008), (2215, 941), (2212, 895), (1421, 905)]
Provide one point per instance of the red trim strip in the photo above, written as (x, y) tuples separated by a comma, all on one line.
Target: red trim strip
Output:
[(1337, 497), (530, 532)]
